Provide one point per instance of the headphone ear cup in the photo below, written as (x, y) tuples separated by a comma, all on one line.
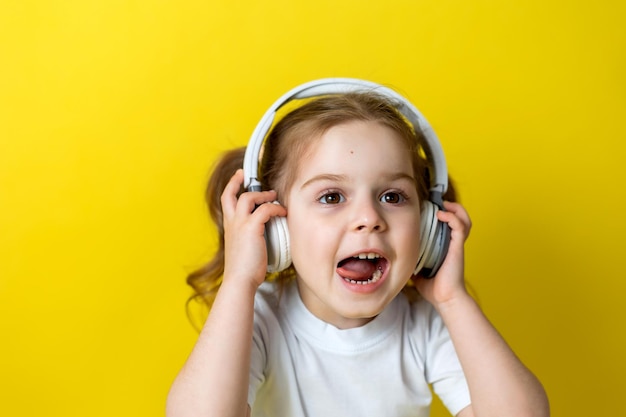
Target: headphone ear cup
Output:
[(277, 242), (434, 241)]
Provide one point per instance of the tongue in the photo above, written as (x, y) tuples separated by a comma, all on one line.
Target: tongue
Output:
[(356, 269)]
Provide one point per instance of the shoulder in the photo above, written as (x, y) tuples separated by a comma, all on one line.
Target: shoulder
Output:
[(423, 316), (268, 328), (267, 302), (268, 294), (423, 327), (274, 305)]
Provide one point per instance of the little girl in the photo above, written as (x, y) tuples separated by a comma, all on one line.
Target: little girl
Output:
[(364, 307)]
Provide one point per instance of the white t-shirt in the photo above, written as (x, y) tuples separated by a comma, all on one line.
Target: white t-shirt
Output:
[(303, 366)]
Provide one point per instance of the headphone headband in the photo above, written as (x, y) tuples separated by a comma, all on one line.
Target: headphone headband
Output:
[(329, 86)]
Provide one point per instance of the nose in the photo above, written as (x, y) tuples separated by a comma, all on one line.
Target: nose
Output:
[(368, 217)]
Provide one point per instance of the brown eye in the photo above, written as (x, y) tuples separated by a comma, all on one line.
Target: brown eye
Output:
[(392, 198), (331, 198)]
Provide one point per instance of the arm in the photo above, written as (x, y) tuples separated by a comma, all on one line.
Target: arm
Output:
[(500, 385), (214, 380)]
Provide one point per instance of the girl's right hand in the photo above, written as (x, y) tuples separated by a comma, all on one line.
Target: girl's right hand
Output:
[(244, 231)]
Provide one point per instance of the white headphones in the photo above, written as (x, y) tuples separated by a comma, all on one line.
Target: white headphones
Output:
[(434, 235)]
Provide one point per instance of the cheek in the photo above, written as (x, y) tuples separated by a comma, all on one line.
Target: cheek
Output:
[(310, 242), (300, 235), (409, 237)]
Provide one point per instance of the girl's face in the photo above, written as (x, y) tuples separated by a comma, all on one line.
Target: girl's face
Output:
[(354, 197)]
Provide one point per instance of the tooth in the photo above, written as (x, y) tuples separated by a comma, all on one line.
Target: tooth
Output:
[(376, 275), (369, 255)]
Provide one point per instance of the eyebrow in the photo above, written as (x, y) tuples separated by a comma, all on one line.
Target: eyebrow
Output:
[(395, 176)]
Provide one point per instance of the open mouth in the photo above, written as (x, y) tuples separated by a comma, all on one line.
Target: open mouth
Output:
[(362, 269)]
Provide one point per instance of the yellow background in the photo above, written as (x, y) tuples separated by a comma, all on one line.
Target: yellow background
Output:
[(112, 112)]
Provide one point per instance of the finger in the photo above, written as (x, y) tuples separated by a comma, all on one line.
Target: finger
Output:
[(459, 228), (250, 201), (459, 211), (268, 210), (229, 195)]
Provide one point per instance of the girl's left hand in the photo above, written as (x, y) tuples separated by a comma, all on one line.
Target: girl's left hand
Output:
[(448, 283)]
